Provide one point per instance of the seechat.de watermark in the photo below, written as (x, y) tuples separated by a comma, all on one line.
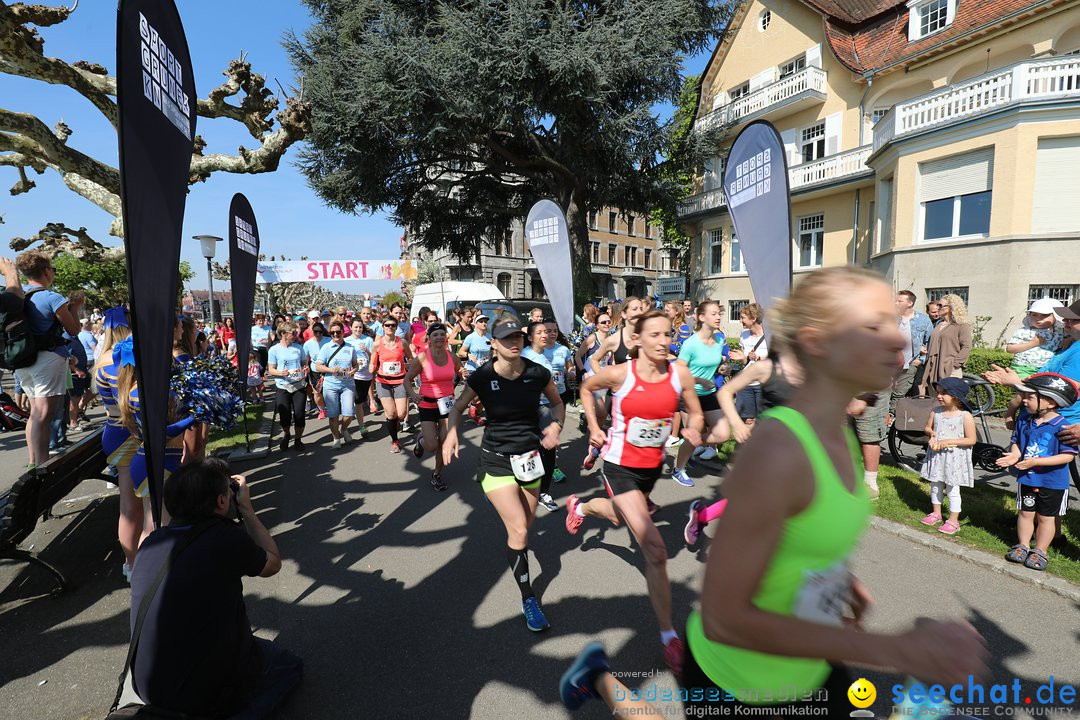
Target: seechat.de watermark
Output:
[(977, 699)]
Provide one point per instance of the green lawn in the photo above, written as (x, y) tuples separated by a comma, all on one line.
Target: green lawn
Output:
[(228, 439), (987, 519)]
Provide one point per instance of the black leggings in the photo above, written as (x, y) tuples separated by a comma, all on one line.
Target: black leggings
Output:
[(290, 408)]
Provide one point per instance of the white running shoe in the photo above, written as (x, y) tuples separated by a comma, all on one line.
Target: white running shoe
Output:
[(708, 453), (336, 444), (346, 435), (674, 441)]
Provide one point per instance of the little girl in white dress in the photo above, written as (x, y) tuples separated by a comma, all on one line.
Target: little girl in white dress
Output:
[(948, 466)]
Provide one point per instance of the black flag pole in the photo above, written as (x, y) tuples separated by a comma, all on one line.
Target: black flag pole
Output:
[(156, 104)]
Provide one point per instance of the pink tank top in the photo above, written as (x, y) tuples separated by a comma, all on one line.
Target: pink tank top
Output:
[(436, 381)]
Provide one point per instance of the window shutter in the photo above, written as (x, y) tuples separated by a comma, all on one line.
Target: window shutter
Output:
[(958, 175), (833, 128), (813, 56), (791, 147), (1057, 186), (762, 79)]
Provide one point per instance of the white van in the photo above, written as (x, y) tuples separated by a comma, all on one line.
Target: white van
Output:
[(438, 295)]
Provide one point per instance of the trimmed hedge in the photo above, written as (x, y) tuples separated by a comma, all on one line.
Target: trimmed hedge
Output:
[(980, 361)]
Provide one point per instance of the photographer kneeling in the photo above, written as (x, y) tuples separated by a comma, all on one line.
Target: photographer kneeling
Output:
[(196, 653)]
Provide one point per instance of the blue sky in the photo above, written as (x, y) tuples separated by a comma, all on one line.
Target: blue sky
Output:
[(292, 219)]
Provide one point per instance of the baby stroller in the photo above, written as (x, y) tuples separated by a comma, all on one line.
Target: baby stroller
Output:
[(12, 417), (907, 441)]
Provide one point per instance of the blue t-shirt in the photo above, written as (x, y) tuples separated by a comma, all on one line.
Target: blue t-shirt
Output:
[(363, 346), (478, 347), (343, 360), (557, 358), (313, 346), (1067, 363), (78, 352), (703, 359), (286, 358), (89, 342), (679, 336), (1037, 441), (260, 335), (539, 358), (41, 312)]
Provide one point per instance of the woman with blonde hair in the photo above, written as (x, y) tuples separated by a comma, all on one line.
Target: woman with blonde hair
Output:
[(950, 343), (680, 326)]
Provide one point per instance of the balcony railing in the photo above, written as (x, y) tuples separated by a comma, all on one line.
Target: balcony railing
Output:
[(1024, 82), (810, 82), (841, 166)]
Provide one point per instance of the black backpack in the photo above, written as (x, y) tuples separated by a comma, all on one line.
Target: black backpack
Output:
[(19, 345)]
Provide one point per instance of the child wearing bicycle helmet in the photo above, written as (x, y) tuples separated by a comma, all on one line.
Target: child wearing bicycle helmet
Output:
[(1043, 464)]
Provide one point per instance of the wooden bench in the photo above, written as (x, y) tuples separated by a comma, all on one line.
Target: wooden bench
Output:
[(36, 492)]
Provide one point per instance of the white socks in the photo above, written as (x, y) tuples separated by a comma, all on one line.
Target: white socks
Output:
[(870, 478)]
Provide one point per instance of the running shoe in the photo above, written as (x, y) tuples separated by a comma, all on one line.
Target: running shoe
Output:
[(693, 527), (534, 616), (653, 507), (679, 475), (346, 435), (298, 444), (418, 449), (548, 502), (126, 570), (322, 414), (110, 471), (573, 520), (558, 475), (363, 431), (674, 441), (472, 413), (674, 654), (709, 453), (284, 444), (590, 458), (394, 447), (436, 482), (336, 443), (576, 685)]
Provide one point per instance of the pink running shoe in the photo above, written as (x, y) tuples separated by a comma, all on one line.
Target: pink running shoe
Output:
[(573, 520), (674, 654), (693, 526)]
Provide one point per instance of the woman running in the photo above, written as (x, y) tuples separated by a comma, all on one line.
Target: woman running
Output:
[(290, 366), (702, 354), (312, 346), (117, 441), (388, 361), (785, 610), (510, 467), (362, 343), (337, 363), (645, 397), (615, 346), (438, 369), (778, 379)]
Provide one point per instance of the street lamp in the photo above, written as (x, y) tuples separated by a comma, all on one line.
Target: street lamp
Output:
[(209, 249)]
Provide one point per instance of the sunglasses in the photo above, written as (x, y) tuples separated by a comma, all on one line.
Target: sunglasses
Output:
[(337, 332), (603, 322)]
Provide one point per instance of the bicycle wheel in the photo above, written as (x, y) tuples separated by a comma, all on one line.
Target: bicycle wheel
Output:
[(907, 448), (980, 394)]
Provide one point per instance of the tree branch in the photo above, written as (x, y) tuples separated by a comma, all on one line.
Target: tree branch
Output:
[(26, 133), (41, 15), (21, 53), (258, 103), (294, 123), (59, 238)]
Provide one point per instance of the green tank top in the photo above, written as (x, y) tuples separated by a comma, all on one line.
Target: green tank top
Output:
[(807, 578)]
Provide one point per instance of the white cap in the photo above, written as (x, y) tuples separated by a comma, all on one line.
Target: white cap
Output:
[(314, 314), (1045, 306)]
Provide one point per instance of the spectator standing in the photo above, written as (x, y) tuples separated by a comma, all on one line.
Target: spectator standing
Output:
[(916, 328), (752, 347), (228, 333), (45, 382), (950, 343), (933, 311), (196, 653)]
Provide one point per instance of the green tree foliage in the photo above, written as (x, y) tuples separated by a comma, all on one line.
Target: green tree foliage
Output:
[(395, 297), (456, 116), (104, 281)]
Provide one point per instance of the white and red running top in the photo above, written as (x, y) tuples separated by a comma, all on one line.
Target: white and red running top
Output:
[(641, 415)]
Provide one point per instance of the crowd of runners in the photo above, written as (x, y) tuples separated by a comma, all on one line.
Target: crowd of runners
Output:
[(655, 390)]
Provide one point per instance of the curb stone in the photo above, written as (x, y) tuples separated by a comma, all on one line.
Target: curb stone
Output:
[(1054, 584)]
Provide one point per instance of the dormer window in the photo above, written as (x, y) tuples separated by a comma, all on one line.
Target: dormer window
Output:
[(926, 17)]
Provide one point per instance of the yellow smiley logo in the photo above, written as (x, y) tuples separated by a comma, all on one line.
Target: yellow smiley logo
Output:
[(862, 693)]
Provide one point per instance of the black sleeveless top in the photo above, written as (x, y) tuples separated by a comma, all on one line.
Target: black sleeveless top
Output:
[(622, 353), (776, 390)]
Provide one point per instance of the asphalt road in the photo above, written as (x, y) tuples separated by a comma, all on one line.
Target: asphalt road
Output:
[(399, 600)]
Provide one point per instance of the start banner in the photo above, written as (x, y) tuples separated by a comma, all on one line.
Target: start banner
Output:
[(319, 271)]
